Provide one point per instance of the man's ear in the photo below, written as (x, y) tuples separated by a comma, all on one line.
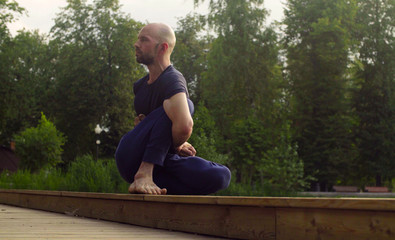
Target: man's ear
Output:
[(164, 47)]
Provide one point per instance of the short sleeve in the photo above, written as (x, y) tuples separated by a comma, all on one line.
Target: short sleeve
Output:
[(176, 86), (174, 83)]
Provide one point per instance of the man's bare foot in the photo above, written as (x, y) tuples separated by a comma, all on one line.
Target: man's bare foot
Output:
[(145, 185)]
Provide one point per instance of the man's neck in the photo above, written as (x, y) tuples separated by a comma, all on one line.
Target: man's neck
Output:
[(155, 70)]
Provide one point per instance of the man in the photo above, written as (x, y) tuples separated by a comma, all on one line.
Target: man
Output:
[(155, 156)]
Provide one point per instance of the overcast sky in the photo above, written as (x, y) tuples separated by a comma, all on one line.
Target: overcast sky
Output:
[(41, 13)]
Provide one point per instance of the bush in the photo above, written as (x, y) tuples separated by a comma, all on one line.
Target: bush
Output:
[(249, 141), (84, 175), (257, 189), (19, 180), (39, 146), (88, 175), (283, 168), (45, 179)]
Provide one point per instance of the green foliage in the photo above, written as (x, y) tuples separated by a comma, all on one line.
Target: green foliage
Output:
[(318, 41), (265, 189), (374, 98), (283, 168), (248, 145), (242, 73), (95, 64), (87, 175), (84, 175), (82, 75), (8, 9), (39, 146), (45, 179), (190, 52), (205, 136), (26, 81), (262, 160)]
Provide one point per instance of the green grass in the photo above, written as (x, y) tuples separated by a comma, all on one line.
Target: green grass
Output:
[(267, 190), (83, 175), (87, 175)]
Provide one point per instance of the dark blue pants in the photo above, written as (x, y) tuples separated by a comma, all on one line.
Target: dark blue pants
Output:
[(151, 141)]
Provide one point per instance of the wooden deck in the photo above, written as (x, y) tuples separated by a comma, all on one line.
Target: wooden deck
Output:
[(22, 223), (229, 217)]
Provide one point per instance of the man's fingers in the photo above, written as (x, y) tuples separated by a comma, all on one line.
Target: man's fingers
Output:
[(136, 121), (193, 150), (185, 153), (189, 151), (141, 117)]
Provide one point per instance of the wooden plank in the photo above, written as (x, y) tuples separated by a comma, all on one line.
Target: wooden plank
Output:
[(231, 217), (244, 222), (385, 204), (299, 223), (17, 223)]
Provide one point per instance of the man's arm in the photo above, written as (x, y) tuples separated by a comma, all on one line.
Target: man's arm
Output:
[(177, 110)]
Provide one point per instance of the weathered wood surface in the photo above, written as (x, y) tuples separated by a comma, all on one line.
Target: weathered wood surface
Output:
[(22, 223), (230, 217)]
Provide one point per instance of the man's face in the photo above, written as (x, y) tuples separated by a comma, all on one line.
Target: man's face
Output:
[(146, 46)]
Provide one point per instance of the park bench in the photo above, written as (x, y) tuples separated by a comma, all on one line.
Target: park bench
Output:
[(377, 189), (345, 188)]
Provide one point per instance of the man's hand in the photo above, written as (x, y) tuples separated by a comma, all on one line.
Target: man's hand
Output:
[(186, 150), (138, 119)]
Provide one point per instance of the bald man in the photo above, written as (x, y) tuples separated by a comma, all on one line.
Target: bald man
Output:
[(155, 156)]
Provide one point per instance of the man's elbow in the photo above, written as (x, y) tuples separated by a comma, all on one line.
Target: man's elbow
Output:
[(188, 127), (185, 129)]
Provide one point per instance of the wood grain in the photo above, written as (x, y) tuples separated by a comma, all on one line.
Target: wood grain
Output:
[(335, 224), (17, 223), (230, 217)]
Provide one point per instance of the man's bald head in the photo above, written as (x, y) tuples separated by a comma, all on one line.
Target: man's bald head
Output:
[(162, 33)]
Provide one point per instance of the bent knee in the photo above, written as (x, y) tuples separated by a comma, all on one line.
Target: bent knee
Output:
[(219, 178), (224, 177)]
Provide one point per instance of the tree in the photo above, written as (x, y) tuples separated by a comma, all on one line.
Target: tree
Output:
[(25, 81), (205, 136), (318, 41), (282, 167), (95, 68), (242, 70), (241, 85), (190, 52), (374, 100), (8, 10)]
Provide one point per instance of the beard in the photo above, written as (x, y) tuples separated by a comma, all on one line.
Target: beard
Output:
[(145, 59)]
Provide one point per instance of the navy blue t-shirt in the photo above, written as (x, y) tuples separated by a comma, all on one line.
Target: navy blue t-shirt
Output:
[(149, 97)]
